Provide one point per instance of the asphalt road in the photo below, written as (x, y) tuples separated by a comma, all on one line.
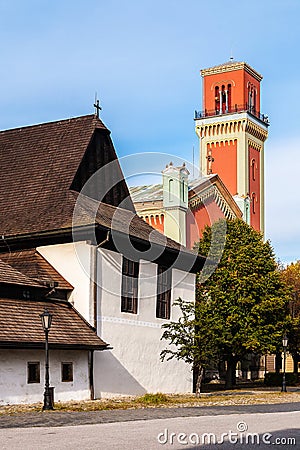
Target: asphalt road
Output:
[(258, 426)]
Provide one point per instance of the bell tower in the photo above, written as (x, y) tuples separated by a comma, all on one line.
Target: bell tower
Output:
[(232, 132)]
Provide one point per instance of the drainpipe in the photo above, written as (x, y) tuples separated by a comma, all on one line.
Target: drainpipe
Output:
[(91, 374), (95, 271)]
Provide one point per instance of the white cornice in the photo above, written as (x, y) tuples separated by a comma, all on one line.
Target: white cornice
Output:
[(229, 67)]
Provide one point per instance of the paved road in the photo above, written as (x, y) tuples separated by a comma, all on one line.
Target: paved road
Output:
[(263, 428), (152, 428)]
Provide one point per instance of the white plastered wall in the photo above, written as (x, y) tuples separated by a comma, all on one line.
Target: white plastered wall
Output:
[(133, 366), (73, 262), (14, 388)]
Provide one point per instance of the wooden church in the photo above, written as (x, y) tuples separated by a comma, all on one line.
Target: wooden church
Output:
[(71, 242)]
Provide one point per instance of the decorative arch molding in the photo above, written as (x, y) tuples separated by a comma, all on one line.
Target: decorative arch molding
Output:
[(227, 127), (254, 145), (256, 131), (222, 142), (219, 83), (153, 217)]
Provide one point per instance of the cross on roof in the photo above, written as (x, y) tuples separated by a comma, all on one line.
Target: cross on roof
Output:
[(97, 108)]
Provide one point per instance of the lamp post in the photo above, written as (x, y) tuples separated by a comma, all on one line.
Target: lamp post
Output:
[(284, 345), (46, 318)]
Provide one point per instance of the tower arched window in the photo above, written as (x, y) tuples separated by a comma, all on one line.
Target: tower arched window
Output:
[(229, 97), (253, 169), (253, 198), (217, 99), (223, 100), (249, 97)]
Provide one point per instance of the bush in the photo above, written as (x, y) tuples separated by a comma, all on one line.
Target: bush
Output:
[(275, 379), (153, 398)]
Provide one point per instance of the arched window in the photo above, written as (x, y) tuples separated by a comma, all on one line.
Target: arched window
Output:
[(171, 182), (223, 99), (182, 190), (229, 97), (253, 198), (217, 100), (253, 169), (249, 97)]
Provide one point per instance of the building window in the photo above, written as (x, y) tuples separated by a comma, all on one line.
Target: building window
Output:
[(164, 281), (217, 100), (229, 97), (33, 372), (66, 371), (253, 169), (171, 190), (130, 275), (253, 203), (223, 100), (182, 185)]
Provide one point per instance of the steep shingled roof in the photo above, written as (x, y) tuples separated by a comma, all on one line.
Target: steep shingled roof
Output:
[(38, 166), (9, 275), (45, 166), (20, 326), (32, 265)]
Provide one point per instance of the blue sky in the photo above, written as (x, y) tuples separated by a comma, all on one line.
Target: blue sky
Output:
[(143, 58)]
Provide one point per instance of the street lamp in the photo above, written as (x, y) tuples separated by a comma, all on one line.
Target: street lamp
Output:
[(46, 318), (284, 345)]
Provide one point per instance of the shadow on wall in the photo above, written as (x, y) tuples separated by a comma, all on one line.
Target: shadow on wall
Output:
[(111, 377)]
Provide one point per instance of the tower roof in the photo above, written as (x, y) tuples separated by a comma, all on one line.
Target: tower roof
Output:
[(230, 66)]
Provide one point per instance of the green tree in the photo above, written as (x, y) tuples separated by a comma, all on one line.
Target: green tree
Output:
[(249, 298), (291, 276), (242, 307), (189, 341)]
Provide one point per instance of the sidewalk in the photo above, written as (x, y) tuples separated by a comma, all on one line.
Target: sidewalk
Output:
[(230, 405)]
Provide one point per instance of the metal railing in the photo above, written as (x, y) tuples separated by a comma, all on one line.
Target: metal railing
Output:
[(232, 109)]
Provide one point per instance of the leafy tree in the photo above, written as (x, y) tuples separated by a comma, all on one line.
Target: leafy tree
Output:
[(249, 298), (291, 276), (190, 342), (241, 308)]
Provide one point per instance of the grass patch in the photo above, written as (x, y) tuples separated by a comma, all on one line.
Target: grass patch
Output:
[(153, 399)]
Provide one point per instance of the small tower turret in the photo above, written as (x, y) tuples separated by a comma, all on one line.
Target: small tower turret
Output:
[(175, 201)]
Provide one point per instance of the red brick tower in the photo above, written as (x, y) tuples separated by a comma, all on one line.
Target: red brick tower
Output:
[(232, 132)]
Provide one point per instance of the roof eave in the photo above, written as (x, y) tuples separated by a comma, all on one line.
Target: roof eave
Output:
[(54, 346)]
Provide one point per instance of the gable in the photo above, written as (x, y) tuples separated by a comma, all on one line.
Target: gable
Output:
[(39, 165), (99, 173)]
